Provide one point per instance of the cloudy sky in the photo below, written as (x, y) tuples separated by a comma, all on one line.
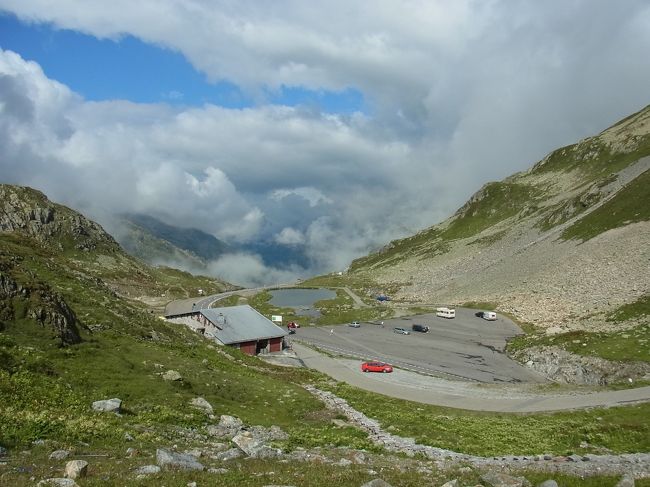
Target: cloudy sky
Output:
[(329, 129)]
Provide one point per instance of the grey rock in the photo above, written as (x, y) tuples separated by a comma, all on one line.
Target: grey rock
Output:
[(228, 427), (344, 462), (548, 483), (451, 483), (132, 452), (377, 483), (191, 484), (128, 437), (274, 433), (498, 479), (231, 454), (59, 455), (253, 447), (218, 471), (148, 470), (75, 469), (202, 404), (108, 405), (626, 481), (176, 461), (172, 375), (57, 482)]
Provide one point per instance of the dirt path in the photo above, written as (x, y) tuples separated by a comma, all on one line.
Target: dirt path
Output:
[(463, 395)]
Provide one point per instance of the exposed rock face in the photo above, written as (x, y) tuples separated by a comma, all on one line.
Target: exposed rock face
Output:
[(564, 367), (29, 212), (507, 245), (43, 304)]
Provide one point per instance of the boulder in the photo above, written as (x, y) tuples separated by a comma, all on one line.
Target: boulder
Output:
[(626, 480), (253, 447), (231, 454), (451, 483), (76, 469), (548, 483), (202, 404), (228, 427), (108, 405), (59, 455), (176, 461), (498, 479), (172, 375)]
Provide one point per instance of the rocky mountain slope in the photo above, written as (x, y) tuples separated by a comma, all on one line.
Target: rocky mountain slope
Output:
[(563, 246), (29, 220), (156, 242)]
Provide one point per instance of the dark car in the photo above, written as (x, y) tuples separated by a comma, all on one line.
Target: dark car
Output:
[(376, 367), (479, 314), (421, 328)]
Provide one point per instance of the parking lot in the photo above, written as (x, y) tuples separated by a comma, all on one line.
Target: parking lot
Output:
[(464, 348)]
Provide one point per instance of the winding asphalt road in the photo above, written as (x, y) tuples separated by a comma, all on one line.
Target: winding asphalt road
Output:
[(475, 392), (462, 395)]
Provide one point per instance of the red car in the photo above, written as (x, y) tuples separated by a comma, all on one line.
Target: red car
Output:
[(376, 367)]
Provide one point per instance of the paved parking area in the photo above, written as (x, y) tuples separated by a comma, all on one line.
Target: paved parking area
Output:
[(464, 348)]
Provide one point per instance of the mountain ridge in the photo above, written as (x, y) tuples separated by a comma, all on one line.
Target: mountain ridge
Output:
[(532, 234)]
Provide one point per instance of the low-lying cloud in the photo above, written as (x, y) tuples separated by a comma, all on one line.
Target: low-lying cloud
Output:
[(458, 93)]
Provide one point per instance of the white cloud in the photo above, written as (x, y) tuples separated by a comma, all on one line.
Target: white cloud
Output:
[(458, 92), (312, 195), (290, 236), (248, 270)]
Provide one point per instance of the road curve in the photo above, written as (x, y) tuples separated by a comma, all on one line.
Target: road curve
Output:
[(461, 395)]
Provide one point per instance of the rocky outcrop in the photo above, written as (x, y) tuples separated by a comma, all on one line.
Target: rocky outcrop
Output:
[(41, 303), (564, 367), (29, 212)]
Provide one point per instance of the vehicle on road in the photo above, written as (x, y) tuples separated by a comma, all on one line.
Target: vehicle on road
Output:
[(421, 328), (486, 315), (354, 324), (376, 367), (401, 331), (291, 327), (446, 312)]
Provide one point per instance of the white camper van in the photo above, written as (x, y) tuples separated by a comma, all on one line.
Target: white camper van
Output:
[(489, 315), (446, 312)]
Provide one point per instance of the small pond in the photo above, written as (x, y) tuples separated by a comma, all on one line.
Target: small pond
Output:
[(301, 299)]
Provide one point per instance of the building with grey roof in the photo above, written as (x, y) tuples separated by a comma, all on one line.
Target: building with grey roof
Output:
[(237, 326)]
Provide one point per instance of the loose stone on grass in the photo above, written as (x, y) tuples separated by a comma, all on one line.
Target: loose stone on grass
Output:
[(177, 461), (108, 405)]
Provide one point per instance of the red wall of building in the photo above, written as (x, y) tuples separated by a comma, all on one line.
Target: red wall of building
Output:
[(276, 345), (248, 347)]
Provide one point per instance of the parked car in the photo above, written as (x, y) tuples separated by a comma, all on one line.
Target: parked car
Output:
[(486, 315), (354, 324), (401, 331), (421, 328), (376, 367)]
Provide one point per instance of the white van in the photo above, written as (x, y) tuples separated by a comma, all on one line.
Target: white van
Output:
[(489, 315), (446, 312)]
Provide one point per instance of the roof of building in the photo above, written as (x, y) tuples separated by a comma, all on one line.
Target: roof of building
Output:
[(237, 324)]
